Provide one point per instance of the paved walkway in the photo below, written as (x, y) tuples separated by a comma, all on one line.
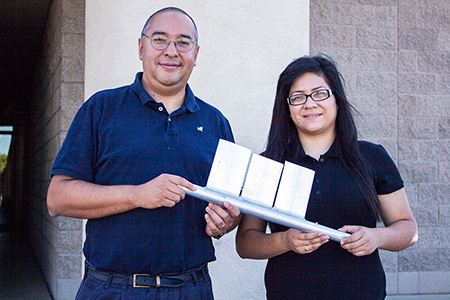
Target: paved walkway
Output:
[(20, 276)]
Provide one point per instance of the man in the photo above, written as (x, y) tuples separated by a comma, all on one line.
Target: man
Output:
[(123, 164)]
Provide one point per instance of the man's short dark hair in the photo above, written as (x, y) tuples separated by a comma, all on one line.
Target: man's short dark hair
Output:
[(171, 8)]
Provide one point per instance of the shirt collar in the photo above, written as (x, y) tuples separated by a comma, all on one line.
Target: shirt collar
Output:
[(332, 152), (299, 152), (190, 101)]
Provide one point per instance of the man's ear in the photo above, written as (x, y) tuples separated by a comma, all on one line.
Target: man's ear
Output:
[(195, 57), (140, 48)]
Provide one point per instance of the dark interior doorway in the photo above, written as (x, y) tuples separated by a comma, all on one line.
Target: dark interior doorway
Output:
[(22, 24)]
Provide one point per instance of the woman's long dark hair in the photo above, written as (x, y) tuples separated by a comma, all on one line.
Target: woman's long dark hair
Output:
[(283, 134)]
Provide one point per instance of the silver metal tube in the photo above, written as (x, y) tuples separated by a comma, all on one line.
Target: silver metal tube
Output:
[(266, 213)]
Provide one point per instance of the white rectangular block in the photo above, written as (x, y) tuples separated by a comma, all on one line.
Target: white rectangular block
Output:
[(408, 282), (391, 283), (294, 189), (262, 180), (229, 168), (437, 282)]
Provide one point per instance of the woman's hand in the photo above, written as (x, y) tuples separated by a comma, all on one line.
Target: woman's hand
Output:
[(303, 242), (363, 240), (399, 233)]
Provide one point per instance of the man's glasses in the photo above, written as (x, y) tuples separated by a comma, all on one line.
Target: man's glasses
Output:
[(161, 43), (299, 99)]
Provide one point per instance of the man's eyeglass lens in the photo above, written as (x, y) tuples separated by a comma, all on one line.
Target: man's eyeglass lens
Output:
[(319, 95), (161, 43)]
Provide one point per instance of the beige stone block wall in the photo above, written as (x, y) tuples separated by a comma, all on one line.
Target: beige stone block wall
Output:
[(395, 57), (58, 93)]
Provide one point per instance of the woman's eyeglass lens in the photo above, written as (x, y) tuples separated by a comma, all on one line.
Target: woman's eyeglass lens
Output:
[(319, 95)]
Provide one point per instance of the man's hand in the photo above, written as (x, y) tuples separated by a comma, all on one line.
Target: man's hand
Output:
[(221, 219), (164, 190)]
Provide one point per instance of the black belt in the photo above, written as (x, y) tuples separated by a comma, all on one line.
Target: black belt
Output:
[(147, 280)]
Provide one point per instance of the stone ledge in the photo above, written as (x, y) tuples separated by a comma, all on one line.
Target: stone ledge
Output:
[(434, 282)]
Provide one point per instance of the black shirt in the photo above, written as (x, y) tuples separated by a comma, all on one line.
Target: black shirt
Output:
[(331, 272)]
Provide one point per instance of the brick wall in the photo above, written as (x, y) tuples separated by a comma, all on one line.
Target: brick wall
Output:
[(395, 57), (58, 93)]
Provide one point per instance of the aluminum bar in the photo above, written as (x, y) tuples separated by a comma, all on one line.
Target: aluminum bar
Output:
[(266, 213)]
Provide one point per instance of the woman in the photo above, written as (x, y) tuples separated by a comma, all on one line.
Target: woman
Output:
[(356, 183)]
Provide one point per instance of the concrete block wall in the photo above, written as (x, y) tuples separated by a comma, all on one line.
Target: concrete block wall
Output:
[(423, 89), (58, 93), (394, 55), (395, 58)]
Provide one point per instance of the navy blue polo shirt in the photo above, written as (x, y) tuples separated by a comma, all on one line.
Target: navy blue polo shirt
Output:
[(331, 272), (122, 136)]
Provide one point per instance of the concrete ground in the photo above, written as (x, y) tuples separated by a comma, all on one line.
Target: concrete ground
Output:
[(20, 276)]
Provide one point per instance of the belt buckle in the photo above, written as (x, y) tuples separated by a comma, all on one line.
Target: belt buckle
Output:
[(135, 285)]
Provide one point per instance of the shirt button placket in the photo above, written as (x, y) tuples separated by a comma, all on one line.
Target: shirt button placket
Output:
[(318, 185), (169, 125)]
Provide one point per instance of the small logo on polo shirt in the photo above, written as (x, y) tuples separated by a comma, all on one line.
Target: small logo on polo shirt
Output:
[(200, 128)]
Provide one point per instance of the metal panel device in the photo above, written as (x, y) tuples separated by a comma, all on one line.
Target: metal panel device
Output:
[(262, 187)]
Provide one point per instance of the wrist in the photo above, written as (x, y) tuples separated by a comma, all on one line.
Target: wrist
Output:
[(133, 197), (220, 235), (284, 241), (380, 234)]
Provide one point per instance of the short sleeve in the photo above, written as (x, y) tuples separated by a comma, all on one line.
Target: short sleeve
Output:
[(388, 177), (227, 133), (76, 157)]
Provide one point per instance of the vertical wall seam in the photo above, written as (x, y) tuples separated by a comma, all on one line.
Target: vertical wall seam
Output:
[(397, 158), (397, 139)]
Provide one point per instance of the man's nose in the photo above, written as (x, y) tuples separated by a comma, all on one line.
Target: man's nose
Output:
[(171, 49)]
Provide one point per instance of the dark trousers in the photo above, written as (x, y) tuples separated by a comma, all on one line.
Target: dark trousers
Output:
[(92, 288)]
